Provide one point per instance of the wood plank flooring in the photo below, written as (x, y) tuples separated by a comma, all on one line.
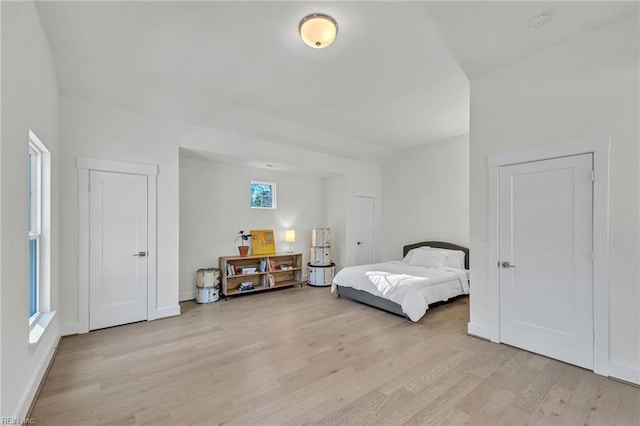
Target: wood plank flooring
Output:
[(302, 356)]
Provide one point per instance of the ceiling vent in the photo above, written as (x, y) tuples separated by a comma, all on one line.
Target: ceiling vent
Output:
[(540, 20)]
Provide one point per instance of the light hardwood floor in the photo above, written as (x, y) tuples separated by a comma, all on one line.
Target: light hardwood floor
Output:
[(302, 356)]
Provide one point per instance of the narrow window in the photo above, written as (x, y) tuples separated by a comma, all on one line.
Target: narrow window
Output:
[(263, 195), (39, 218), (39, 212), (35, 204)]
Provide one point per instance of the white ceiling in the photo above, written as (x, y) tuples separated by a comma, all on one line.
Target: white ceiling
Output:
[(396, 76), (196, 154), (485, 35)]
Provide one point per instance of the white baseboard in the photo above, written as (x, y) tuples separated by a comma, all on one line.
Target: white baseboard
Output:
[(169, 311), (187, 295), (70, 328), (478, 330), (34, 384), (626, 372)]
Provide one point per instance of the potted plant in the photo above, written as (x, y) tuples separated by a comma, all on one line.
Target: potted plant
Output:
[(244, 250)]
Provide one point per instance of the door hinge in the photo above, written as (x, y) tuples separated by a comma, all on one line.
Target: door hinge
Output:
[(593, 175)]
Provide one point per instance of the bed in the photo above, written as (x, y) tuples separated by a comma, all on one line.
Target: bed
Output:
[(430, 272)]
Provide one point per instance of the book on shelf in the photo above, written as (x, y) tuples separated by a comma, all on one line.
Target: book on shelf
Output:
[(272, 281), (248, 285), (247, 270), (272, 265), (263, 265)]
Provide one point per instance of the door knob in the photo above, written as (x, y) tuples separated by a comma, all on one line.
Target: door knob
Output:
[(141, 254), (360, 242), (506, 265)]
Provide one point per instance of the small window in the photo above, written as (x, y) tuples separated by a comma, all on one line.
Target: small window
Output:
[(263, 195)]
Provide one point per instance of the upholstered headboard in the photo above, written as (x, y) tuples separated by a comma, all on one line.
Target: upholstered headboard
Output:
[(439, 244)]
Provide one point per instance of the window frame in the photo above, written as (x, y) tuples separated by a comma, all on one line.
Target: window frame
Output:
[(35, 223), (273, 195), (39, 227)]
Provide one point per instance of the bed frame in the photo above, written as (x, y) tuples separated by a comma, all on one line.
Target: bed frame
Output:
[(387, 305)]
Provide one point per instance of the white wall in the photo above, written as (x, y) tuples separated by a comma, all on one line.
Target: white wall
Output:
[(29, 101), (101, 131), (214, 205), (425, 194), (337, 219), (1, 204), (584, 87)]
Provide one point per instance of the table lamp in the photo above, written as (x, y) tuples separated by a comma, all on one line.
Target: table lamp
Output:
[(290, 237)]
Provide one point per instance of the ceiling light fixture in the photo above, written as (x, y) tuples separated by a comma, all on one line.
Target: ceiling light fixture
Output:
[(318, 30)]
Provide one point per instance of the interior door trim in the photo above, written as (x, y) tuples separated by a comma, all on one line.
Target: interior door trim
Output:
[(599, 147), (86, 165)]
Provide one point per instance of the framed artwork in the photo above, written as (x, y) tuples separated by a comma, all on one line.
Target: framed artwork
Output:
[(263, 242)]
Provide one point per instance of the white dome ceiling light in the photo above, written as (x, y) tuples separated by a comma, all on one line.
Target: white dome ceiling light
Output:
[(317, 30)]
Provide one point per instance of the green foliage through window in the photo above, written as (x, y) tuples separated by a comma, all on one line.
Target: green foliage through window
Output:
[(263, 195)]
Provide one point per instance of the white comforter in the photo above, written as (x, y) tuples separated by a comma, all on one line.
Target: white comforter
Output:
[(411, 287)]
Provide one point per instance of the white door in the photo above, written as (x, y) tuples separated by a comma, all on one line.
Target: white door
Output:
[(365, 220), (118, 249), (546, 269)]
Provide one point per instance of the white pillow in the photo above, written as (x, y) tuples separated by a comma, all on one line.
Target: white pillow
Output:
[(407, 258), (426, 256), (453, 258)]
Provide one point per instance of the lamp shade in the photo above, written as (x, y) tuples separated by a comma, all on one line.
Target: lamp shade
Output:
[(290, 236), (317, 30)]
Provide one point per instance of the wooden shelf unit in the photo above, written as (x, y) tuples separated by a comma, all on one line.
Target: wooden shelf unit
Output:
[(260, 279)]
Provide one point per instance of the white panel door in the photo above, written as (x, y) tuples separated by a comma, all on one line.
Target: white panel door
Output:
[(365, 220), (118, 249), (546, 269)]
